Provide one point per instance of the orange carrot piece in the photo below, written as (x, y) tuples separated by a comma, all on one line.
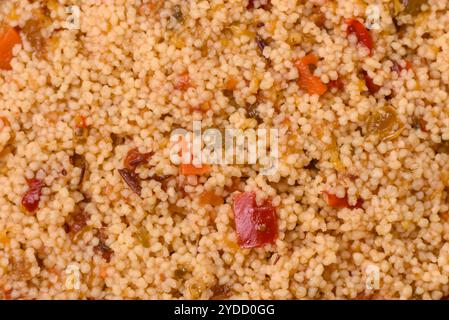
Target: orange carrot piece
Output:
[(307, 81), (190, 170), (8, 39)]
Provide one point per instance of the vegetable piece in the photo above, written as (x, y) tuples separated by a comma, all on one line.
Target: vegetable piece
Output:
[(412, 7), (334, 152), (183, 82), (385, 123), (398, 68), (230, 84), (9, 37), (220, 292), (4, 238), (177, 13), (79, 161), (80, 121), (337, 84), (180, 272), (261, 43), (263, 4), (255, 225), (78, 222), (134, 158), (203, 107), (419, 122), (33, 32), (209, 197), (31, 198), (307, 81), (253, 113), (103, 250), (132, 180), (81, 129), (151, 7), (372, 87), (188, 169), (4, 122), (336, 202), (143, 237), (362, 34)]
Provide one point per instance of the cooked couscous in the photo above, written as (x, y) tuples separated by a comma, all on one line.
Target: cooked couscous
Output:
[(92, 207)]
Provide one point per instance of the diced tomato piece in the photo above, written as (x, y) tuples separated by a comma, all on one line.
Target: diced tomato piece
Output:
[(8, 39), (372, 87), (189, 169), (203, 107), (256, 225), (408, 65), (398, 68), (4, 121), (265, 6), (307, 81), (31, 198), (336, 202), (362, 34), (337, 84), (80, 121), (209, 197), (183, 82)]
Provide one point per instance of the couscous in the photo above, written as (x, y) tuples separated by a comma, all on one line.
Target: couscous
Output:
[(92, 207)]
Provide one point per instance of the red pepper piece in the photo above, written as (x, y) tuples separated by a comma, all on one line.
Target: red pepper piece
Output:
[(256, 225), (372, 87), (134, 158), (337, 84), (362, 34), (336, 202)]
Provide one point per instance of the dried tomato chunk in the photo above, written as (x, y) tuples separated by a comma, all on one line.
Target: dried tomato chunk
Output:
[(265, 5), (337, 84), (31, 198), (398, 68), (183, 82), (362, 34), (132, 180), (372, 87), (307, 81), (77, 223), (103, 250), (134, 158), (256, 225), (336, 202), (9, 37)]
